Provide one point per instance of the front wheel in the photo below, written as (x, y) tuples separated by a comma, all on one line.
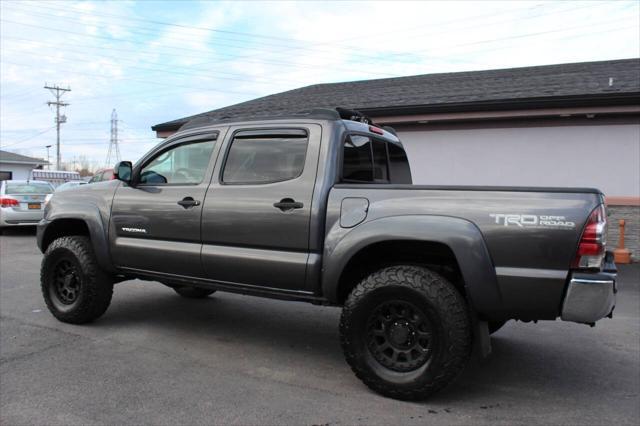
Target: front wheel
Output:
[(74, 287), (406, 332)]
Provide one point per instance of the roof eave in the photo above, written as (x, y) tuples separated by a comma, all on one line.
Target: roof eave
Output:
[(606, 99), (38, 163)]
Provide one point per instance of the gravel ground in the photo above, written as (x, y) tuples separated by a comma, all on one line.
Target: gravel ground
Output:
[(156, 358)]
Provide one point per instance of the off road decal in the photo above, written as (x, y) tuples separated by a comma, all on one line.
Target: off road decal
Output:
[(532, 221)]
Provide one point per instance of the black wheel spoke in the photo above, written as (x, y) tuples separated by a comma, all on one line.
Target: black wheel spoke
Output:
[(66, 284), (399, 335)]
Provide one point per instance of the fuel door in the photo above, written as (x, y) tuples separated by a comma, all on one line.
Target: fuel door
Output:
[(353, 211)]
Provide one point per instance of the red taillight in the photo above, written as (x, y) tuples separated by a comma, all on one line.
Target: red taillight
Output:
[(8, 202), (591, 248), (377, 130)]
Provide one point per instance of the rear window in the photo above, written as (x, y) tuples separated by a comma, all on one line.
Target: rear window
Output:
[(357, 164), (28, 188), (371, 160)]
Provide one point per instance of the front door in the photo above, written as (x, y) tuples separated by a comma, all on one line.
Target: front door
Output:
[(156, 223), (255, 224)]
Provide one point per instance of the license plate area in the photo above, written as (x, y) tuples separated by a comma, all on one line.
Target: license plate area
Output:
[(33, 206)]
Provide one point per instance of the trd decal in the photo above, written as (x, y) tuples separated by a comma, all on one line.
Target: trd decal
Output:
[(532, 220)]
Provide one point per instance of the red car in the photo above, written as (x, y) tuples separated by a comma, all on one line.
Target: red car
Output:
[(102, 174)]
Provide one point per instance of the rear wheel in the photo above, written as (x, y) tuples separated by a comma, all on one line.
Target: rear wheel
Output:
[(74, 287), (193, 292), (406, 332)]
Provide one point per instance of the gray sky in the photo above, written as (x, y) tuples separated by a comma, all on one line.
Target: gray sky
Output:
[(157, 61)]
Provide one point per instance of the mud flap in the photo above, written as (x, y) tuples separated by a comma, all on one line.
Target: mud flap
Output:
[(481, 338)]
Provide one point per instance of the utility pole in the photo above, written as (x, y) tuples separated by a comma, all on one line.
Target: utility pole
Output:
[(48, 162), (58, 91), (113, 143)]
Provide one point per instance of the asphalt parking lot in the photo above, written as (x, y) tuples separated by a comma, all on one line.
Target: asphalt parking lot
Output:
[(156, 358)]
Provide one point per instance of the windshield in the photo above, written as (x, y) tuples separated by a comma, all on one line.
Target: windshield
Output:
[(28, 188), (69, 185)]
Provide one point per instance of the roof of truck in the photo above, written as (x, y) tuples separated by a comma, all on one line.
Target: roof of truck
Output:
[(354, 121)]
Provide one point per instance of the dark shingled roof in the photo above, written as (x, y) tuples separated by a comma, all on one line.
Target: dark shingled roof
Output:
[(577, 84), (12, 157)]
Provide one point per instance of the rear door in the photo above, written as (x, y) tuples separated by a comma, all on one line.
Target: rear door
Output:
[(155, 225), (255, 225)]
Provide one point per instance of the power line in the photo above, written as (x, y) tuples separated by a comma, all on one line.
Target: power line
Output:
[(174, 69), (338, 45), (182, 49), (444, 47), (30, 137), (58, 92), (111, 79)]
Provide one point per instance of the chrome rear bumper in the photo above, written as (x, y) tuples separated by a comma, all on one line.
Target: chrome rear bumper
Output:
[(590, 296)]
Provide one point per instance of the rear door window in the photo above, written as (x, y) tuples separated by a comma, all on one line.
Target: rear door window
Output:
[(274, 156)]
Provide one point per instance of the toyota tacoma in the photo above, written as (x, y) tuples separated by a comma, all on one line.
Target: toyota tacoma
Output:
[(320, 207)]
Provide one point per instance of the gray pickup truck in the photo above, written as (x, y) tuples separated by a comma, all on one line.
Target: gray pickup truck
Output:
[(319, 207)]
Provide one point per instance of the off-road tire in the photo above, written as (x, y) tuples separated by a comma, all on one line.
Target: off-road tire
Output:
[(442, 306), (193, 292), (495, 326), (95, 287)]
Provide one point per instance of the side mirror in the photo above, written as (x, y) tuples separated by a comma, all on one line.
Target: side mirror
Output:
[(122, 171)]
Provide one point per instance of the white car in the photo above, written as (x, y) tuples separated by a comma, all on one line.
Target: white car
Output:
[(22, 202)]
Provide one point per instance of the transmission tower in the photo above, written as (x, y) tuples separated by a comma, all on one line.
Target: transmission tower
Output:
[(58, 91), (113, 144)]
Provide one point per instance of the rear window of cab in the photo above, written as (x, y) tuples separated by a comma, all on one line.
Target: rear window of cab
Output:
[(368, 159)]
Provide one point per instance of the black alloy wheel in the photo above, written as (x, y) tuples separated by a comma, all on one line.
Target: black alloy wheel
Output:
[(67, 282), (74, 287), (400, 336), (406, 331)]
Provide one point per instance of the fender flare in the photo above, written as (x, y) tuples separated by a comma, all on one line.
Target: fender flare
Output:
[(90, 215), (463, 238)]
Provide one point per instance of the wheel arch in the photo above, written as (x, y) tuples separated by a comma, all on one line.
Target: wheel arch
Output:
[(87, 223), (455, 245)]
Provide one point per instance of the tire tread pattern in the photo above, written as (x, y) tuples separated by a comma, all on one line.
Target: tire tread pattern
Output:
[(453, 310), (98, 287)]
